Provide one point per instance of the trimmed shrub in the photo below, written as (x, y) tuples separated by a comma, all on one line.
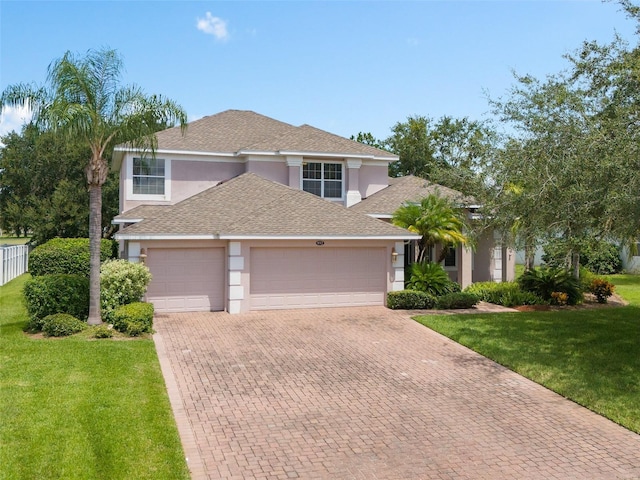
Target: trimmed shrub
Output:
[(62, 325), (507, 294), (456, 301), (121, 282), (431, 278), (66, 255), (61, 293), (545, 281), (134, 318), (602, 289), (102, 331), (410, 300)]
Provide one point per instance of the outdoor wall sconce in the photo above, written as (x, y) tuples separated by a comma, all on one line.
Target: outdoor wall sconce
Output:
[(394, 255), (143, 255)]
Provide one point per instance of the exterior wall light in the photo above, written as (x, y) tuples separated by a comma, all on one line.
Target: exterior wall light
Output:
[(394, 255), (143, 255)]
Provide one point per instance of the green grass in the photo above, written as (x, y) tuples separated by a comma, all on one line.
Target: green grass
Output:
[(14, 240), (74, 408), (589, 356)]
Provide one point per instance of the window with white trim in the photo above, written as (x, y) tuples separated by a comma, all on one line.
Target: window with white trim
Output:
[(323, 179), (148, 176)]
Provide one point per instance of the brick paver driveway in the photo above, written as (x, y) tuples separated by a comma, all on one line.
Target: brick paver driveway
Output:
[(366, 393)]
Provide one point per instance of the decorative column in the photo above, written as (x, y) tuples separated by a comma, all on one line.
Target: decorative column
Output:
[(398, 268), (236, 266), (295, 165), (353, 188), (466, 267)]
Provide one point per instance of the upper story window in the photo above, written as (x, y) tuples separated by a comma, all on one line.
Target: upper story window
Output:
[(148, 176), (323, 179)]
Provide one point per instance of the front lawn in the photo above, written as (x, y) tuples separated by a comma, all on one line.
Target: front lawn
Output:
[(589, 356), (14, 240), (79, 408)]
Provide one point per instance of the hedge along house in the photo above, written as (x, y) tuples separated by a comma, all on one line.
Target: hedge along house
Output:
[(244, 212), (248, 213)]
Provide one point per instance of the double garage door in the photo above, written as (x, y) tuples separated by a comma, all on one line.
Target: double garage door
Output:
[(193, 279), (317, 277)]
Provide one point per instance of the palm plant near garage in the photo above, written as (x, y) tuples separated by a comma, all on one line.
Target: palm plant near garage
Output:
[(83, 99), (437, 220)]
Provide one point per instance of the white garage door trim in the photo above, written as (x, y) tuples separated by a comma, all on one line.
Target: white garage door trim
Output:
[(186, 279), (317, 277)]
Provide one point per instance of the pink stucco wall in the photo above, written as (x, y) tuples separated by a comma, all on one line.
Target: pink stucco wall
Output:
[(372, 178), (276, 171)]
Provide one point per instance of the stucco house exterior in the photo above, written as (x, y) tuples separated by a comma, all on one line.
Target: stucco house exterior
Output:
[(244, 212)]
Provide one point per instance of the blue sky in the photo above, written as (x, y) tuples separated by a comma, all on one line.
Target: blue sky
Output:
[(342, 66)]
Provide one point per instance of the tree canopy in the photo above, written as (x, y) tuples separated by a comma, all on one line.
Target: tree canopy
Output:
[(570, 167), (42, 187)]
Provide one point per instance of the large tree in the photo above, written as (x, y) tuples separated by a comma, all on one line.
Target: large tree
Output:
[(570, 168), (83, 98), (452, 152)]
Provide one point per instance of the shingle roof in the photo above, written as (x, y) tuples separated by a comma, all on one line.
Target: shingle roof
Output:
[(140, 212), (233, 131), (406, 189), (310, 139), (251, 206)]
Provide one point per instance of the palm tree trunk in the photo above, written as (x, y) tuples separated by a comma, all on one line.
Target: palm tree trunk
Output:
[(95, 237)]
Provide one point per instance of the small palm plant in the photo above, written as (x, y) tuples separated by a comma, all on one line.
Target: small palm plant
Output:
[(437, 220), (431, 278), (547, 281)]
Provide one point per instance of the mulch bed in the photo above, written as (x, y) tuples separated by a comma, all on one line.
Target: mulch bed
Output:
[(589, 303)]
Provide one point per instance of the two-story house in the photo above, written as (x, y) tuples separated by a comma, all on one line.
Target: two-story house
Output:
[(244, 212)]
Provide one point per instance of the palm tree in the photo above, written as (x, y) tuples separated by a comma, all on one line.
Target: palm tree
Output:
[(437, 220), (83, 99)]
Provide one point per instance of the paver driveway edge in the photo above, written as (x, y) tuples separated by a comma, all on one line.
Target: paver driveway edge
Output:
[(188, 440), (368, 394)]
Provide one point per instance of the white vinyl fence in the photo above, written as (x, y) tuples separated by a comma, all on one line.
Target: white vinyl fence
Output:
[(14, 261)]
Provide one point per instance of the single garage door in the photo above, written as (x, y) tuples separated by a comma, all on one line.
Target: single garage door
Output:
[(317, 277), (187, 279)]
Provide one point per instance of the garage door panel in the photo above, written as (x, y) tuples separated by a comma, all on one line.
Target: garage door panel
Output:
[(304, 278), (186, 279)]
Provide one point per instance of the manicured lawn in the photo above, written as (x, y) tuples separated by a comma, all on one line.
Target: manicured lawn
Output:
[(14, 240), (589, 356), (81, 409)]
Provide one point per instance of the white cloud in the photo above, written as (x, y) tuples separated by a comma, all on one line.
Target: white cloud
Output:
[(413, 42), (13, 118), (213, 26)]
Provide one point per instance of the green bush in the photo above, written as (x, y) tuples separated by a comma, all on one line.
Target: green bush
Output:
[(101, 331), (507, 294), (430, 278), (61, 325), (598, 256), (410, 300), (456, 301), (121, 282), (134, 318), (61, 293), (67, 255), (545, 281)]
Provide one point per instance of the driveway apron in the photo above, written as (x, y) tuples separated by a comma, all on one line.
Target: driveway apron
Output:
[(367, 393)]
